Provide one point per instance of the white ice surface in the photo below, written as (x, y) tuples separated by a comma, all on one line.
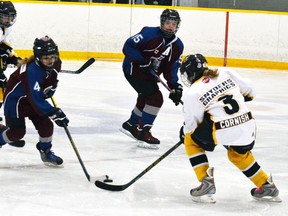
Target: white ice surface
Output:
[(97, 102)]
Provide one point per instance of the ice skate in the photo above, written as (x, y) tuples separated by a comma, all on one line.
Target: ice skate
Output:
[(148, 141), (204, 193), (130, 130), (18, 143), (49, 158), (142, 136), (267, 192), (2, 126)]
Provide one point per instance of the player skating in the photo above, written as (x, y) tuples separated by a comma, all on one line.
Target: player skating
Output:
[(25, 97), (152, 50), (215, 113), (8, 15)]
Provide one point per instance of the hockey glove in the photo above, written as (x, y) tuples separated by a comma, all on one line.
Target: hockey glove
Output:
[(5, 52), (3, 62), (176, 94), (5, 49), (60, 118), (14, 60), (146, 68), (7, 56), (3, 80), (50, 90), (181, 134)]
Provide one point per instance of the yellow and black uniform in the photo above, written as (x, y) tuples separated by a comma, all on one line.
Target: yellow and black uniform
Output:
[(215, 113)]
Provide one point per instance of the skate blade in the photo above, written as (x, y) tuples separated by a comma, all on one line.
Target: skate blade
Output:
[(145, 145), (204, 199), (268, 199), (128, 133), (49, 164)]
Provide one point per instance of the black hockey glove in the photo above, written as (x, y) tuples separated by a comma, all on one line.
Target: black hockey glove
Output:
[(3, 62), (176, 95), (14, 60), (50, 90), (7, 57), (60, 118), (5, 49), (146, 68), (181, 134), (3, 80), (5, 52)]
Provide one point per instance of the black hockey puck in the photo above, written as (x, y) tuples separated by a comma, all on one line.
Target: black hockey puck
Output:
[(108, 180)]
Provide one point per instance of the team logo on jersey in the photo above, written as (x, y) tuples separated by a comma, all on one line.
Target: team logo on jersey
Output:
[(157, 61), (220, 88)]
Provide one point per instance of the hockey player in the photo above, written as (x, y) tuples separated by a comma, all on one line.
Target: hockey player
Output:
[(25, 96), (7, 55), (152, 50), (215, 113), (8, 16)]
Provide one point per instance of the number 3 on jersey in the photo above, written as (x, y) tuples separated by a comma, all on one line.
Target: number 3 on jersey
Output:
[(228, 100)]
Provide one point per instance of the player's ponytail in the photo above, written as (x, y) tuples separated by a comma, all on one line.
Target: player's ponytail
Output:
[(211, 72)]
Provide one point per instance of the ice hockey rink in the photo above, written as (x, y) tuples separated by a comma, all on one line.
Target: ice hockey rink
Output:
[(97, 102)]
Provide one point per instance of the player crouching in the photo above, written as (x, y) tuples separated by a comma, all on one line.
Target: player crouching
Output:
[(25, 97)]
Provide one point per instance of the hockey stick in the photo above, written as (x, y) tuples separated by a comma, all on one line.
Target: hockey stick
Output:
[(110, 187), (105, 178), (153, 73), (82, 68)]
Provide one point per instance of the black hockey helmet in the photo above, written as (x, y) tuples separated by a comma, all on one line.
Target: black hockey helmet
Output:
[(169, 14), (8, 14), (192, 68), (44, 46)]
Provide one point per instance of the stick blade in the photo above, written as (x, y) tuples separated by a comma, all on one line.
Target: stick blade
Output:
[(109, 187), (82, 68), (86, 65)]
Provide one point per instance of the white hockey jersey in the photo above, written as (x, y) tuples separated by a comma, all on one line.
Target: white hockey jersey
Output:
[(221, 101), (6, 37)]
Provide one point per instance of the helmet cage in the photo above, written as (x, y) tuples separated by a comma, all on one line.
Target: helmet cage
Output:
[(186, 79), (8, 14), (169, 14), (192, 69)]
